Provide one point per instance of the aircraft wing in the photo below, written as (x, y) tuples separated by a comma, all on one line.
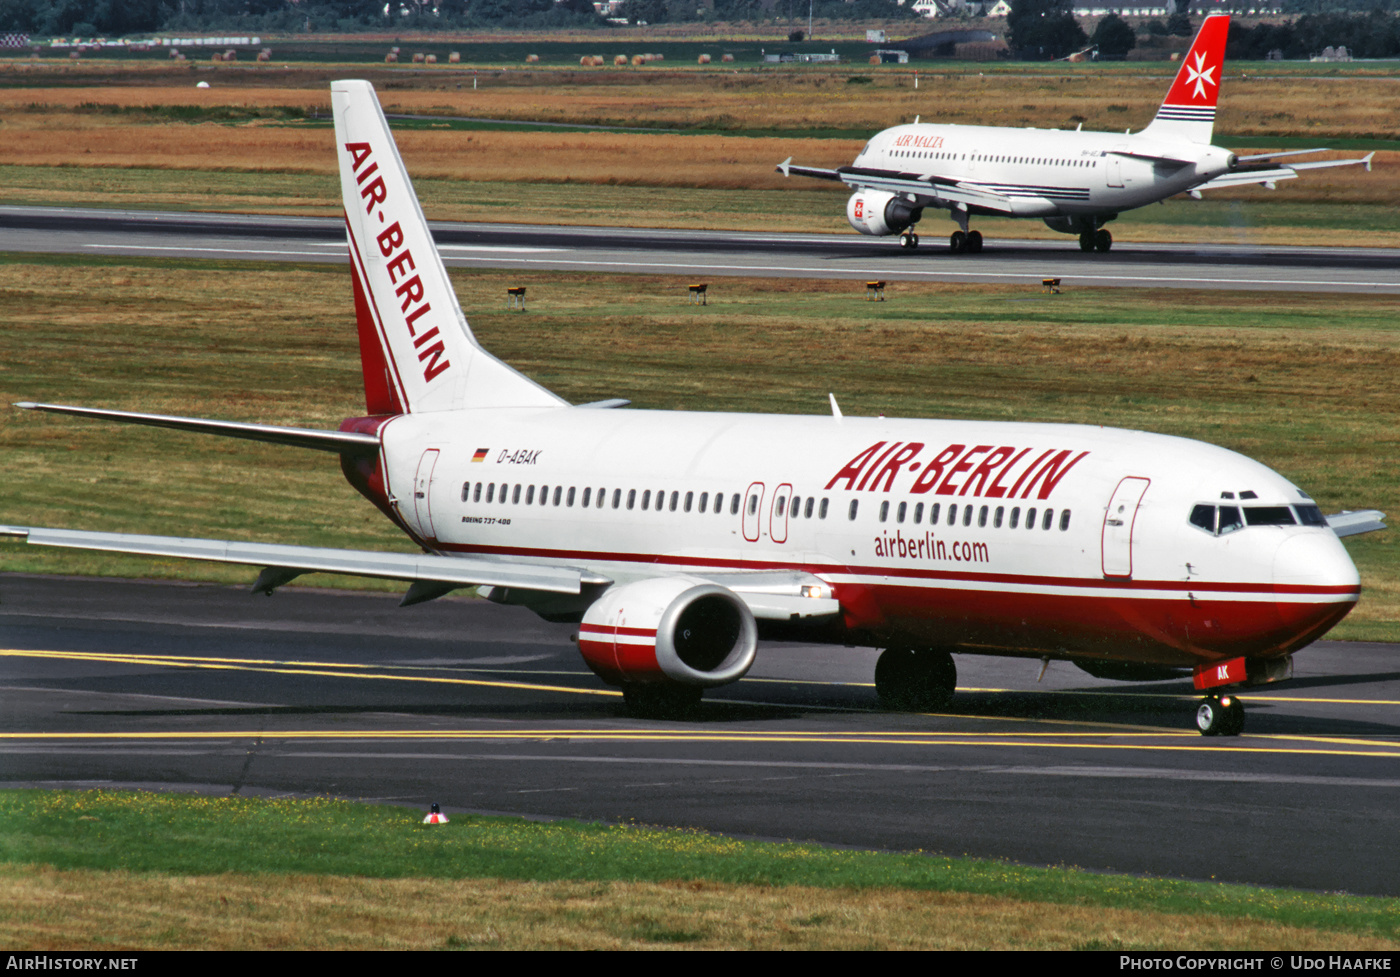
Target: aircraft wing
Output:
[(1349, 523), (1269, 174), (926, 188), (780, 595), (430, 574)]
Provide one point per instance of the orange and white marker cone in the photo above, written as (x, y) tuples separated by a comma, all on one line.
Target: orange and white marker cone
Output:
[(435, 816)]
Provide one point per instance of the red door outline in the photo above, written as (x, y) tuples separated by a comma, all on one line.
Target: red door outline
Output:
[(753, 512), (778, 524)]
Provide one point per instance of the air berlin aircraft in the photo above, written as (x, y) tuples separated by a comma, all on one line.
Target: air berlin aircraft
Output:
[(677, 539), (1076, 181)]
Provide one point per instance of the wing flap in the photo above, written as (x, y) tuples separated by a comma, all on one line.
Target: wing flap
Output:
[(411, 567)]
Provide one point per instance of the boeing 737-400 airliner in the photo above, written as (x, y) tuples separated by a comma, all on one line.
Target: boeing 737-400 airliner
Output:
[(1075, 181), (676, 540)]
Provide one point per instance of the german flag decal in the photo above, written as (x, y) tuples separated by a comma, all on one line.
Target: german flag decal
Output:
[(480, 455)]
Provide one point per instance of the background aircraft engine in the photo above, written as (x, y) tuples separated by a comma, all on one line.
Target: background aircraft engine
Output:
[(879, 212), (669, 630)]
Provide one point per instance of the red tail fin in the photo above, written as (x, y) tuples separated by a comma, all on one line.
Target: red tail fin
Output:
[(1188, 112)]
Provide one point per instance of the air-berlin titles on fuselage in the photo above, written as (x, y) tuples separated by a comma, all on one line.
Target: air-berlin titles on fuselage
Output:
[(981, 471), (431, 354)]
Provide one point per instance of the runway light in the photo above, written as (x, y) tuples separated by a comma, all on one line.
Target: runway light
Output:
[(435, 816)]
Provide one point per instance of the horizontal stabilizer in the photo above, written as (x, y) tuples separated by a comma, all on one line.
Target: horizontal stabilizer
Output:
[(341, 442), (412, 567), (1350, 523), (1264, 173)]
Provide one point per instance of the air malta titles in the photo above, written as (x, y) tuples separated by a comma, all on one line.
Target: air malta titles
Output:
[(982, 471), (919, 142), (410, 292)]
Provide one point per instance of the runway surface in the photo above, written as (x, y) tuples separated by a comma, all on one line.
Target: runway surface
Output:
[(713, 253), (487, 708)]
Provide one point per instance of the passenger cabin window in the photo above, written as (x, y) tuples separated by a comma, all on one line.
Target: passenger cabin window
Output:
[(855, 505)]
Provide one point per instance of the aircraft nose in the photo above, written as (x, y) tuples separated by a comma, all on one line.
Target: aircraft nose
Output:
[(1315, 581)]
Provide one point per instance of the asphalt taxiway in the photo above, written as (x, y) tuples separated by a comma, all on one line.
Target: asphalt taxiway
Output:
[(481, 707), (701, 254)]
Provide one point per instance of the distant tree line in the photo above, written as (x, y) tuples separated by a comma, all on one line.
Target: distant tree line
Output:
[(123, 17), (1370, 35)]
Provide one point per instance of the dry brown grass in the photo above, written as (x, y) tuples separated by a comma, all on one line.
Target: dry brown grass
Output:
[(52, 133), (84, 910)]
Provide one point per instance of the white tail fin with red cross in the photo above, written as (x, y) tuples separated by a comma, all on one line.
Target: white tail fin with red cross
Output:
[(1188, 111), (416, 349)]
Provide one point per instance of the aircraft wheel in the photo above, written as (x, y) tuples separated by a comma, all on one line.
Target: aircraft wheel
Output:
[(1086, 241), (974, 242), (957, 242), (909, 240), (1103, 241), (647, 701), (915, 679), (1220, 716)]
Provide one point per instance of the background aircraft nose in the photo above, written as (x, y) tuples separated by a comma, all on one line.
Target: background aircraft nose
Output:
[(1316, 580)]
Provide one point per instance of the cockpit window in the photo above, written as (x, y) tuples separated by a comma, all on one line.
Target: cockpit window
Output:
[(1216, 520), (1269, 515), (1310, 515), (1229, 519), (1203, 517)]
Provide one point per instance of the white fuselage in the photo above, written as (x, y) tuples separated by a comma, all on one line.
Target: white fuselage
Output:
[(1049, 172), (1005, 538)]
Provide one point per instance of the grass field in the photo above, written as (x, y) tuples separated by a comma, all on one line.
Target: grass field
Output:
[(1304, 383), (105, 869)]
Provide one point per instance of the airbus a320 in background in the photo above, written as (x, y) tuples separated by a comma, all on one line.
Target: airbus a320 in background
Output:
[(1073, 180), (677, 540)]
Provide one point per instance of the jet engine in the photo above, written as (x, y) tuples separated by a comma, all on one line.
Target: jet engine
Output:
[(879, 212), (680, 630)]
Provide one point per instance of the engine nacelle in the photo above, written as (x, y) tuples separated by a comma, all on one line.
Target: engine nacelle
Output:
[(880, 212), (669, 629)]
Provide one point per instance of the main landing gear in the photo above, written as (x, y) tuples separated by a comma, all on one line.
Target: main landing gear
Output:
[(1220, 715), (971, 242), (1099, 241), (915, 679)]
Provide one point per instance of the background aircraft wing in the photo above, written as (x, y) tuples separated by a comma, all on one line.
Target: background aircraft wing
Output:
[(926, 188), (432, 576)]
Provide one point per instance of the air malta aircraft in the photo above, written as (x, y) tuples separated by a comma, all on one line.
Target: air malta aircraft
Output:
[(677, 539), (1075, 181)]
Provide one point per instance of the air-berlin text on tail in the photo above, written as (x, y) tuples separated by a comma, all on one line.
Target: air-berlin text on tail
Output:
[(399, 263), (982, 471)]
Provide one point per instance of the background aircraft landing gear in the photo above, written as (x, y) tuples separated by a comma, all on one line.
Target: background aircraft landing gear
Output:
[(1099, 241), (915, 679), (969, 242), (909, 240), (647, 701), (1220, 716)]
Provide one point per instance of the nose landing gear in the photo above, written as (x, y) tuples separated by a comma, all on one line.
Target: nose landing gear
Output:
[(1221, 715), (909, 240)]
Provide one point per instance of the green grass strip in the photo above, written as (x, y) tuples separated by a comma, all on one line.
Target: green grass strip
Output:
[(195, 835)]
